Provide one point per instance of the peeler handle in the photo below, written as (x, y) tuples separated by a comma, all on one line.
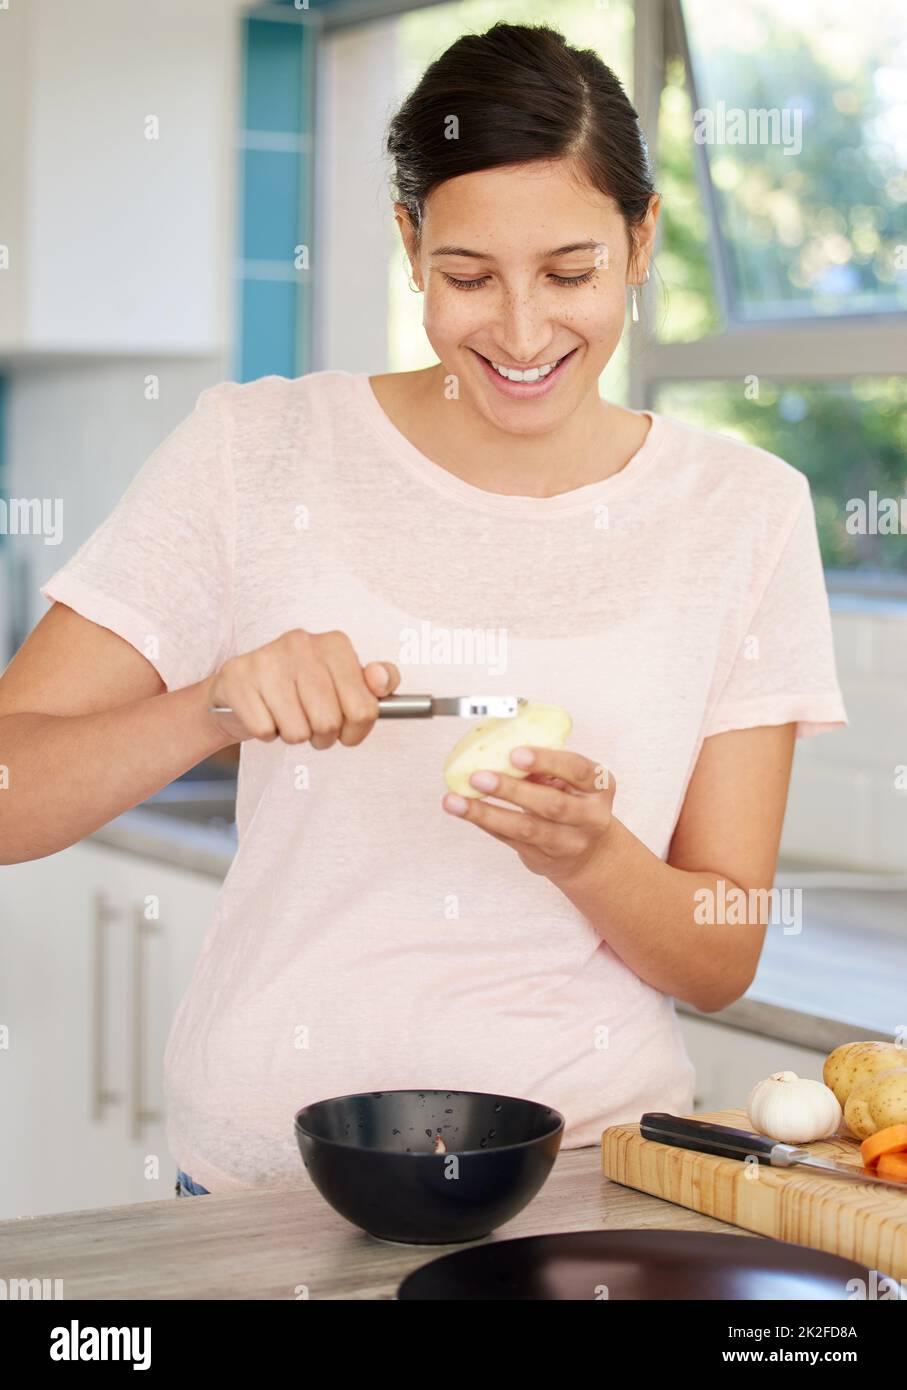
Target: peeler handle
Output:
[(684, 1133), (389, 707), (405, 707)]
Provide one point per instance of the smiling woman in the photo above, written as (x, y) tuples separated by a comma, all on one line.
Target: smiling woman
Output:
[(659, 582), (524, 318)]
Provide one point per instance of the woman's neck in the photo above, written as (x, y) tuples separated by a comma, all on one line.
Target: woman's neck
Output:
[(597, 440)]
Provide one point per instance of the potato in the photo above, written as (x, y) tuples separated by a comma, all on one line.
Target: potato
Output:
[(833, 1070), (880, 1101), (491, 742), (838, 1072), (855, 1062)]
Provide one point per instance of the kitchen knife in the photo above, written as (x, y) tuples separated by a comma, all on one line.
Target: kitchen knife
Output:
[(684, 1133), (425, 706)]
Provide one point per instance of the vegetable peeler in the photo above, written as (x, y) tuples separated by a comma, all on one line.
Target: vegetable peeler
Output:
[(426, 706)]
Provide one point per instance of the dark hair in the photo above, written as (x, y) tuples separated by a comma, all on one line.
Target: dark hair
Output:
[(520, 93)]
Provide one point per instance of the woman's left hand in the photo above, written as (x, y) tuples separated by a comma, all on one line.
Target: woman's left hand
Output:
[(565, 810)]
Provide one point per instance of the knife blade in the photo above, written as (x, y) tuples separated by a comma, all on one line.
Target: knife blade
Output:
[(426, 706), (684, 1133)]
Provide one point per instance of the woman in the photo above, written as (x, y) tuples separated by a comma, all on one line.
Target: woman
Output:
[(489, 524)]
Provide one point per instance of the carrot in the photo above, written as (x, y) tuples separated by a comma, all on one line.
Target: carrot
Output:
[(886, 1141), (893, 1166)]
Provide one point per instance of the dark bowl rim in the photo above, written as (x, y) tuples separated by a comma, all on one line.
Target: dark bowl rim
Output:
[(437, 1090)]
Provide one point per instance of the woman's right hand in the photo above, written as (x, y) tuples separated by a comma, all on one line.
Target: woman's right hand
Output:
[(305, 687)]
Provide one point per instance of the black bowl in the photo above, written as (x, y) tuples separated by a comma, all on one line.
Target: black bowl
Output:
[(372, 1157)]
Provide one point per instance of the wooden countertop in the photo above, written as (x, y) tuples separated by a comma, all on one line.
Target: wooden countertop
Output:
[(267, 1244)]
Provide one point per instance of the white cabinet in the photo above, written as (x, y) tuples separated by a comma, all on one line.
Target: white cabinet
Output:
[(729, 1061), (118, 178), (96, 950)]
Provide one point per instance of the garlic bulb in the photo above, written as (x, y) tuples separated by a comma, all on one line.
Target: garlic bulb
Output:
[(793, 1109)]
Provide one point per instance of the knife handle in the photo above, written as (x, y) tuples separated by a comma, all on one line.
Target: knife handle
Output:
[(684, 1133)]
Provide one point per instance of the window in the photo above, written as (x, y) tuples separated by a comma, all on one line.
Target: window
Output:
[(781, 153), (801, 113), (849, 438)]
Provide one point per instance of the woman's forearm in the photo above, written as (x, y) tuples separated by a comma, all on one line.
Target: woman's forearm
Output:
[(64, 776), (647, 912)]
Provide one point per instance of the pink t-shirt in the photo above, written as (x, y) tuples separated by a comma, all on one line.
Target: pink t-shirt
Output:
[(364, 939)]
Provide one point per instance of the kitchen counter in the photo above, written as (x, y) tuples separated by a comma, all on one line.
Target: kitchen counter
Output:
[(203, 848), (280, 1244), (840, 975)]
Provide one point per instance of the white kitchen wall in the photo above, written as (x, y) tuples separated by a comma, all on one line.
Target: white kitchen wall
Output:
[(14, 93), (80, 432), (122, 249), (119, 242)]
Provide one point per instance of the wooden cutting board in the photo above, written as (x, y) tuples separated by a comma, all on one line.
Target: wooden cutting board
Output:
[(866, 1224)]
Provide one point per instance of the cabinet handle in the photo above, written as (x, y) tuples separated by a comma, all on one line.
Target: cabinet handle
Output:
[(101, 1095), (141, 1115)]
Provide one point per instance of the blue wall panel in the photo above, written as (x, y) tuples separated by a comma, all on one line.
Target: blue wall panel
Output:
[(275, 216)]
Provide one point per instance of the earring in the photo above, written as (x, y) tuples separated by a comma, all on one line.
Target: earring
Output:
[(634, 306), (416, 289)]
